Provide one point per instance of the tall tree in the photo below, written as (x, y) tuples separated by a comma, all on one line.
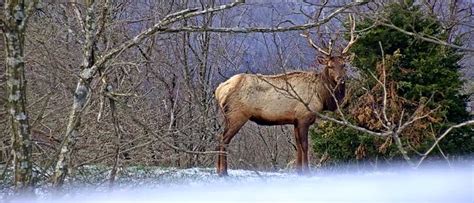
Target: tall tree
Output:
[(91, 67), (425, 69), (16, 14), (81, 95), (421, 76)]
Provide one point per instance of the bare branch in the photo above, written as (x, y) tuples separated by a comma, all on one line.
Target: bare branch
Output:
[(426, 37), (469, 122), (415, 118), (180, 15), (401, 149), (103, 18), (264, 29), (346, 123), (31, 6), (78, 15), (384, 85), (158, 137)]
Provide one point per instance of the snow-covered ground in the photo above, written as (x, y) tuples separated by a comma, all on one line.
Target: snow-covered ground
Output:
[(202, 185)]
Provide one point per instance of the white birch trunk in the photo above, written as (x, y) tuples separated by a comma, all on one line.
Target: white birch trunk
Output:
[(81, 97)]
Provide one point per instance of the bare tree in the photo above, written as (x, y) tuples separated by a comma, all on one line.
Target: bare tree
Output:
[(90, 67)]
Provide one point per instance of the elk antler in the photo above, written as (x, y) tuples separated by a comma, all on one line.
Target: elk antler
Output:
[(328, 52), (353, 37)]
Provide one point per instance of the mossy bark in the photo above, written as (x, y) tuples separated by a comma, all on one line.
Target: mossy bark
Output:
[(13, 26)]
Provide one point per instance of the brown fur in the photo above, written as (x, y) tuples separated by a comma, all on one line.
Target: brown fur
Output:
[(290, 98), (339, 91)]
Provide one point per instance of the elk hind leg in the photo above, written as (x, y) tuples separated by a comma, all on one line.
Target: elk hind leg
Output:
[(233, 123)]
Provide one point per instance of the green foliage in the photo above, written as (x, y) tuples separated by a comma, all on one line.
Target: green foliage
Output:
[(425, 70), (340, 143)]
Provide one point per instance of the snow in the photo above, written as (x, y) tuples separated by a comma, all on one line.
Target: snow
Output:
[(432, 184)]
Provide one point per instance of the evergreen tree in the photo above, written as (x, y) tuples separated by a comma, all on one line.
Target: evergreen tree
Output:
[(424, 70)]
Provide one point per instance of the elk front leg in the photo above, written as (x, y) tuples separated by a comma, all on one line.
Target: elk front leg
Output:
[(299, 150), (304, 147), (303, 127)]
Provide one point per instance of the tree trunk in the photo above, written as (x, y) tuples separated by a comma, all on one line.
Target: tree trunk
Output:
[(63, 163), (90, 67), (14, 37), (81, 97)]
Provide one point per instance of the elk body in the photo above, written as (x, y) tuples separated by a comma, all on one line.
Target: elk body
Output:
[(290, 98)]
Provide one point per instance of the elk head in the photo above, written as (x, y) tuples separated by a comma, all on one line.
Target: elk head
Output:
[(335, 63)]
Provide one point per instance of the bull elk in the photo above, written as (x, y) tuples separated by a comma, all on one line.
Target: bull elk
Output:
[(288, 98)]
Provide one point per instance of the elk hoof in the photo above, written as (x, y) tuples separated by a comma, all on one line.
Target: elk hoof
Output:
[(222, 173)]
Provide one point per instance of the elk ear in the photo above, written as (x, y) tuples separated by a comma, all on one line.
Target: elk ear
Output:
[(322, 60)]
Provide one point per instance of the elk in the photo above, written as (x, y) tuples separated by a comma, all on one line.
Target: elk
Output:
[(288, 98)]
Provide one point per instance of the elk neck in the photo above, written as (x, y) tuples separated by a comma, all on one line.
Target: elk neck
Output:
[(328, 88)]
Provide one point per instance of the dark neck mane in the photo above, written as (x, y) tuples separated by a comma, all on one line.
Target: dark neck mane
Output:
[(330, 88)]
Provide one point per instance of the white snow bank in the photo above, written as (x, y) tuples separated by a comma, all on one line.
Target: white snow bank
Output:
[(202, 185)]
